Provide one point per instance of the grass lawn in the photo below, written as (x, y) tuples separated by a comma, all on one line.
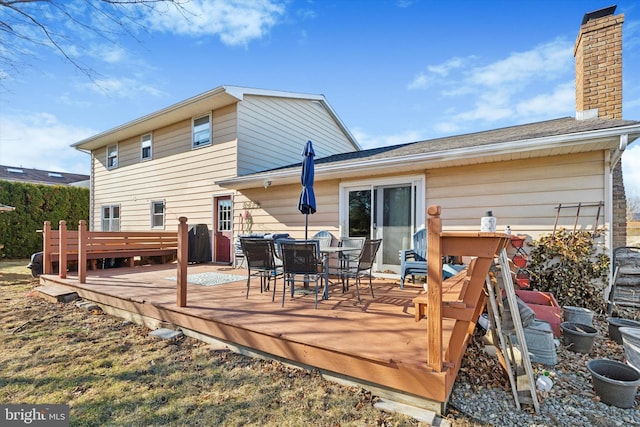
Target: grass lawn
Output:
[(111, 372)]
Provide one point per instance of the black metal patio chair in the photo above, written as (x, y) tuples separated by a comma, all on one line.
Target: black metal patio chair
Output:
[(301, 258), (365, 263), (261, 261)]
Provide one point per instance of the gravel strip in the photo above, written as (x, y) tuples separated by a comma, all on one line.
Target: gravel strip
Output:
[(482, 395)]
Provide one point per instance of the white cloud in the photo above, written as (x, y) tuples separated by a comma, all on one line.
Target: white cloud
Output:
[(631, 170), (435, 73), (561, 100), (236, 22), (496, 92), (544, 62), (125, 87), (111, 54), (367, 141), (40, 141)]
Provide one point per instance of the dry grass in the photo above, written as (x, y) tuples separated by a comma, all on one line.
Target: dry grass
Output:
[(112, 372), (633, 233)]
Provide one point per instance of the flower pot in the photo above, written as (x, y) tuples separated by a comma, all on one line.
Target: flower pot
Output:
[(545, 307), (615, 323), (580, 315), (631, 345), (578, 337), (614, 382)]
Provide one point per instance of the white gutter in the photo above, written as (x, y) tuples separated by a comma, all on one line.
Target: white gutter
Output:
[(291, 175)]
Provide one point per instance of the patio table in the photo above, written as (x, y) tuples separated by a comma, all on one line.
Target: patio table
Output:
[(326, 251)]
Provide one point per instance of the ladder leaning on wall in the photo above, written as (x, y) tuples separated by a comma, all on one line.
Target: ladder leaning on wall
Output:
[(523, 386)]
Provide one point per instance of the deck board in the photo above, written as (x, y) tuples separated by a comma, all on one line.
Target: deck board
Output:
[(375, 342)]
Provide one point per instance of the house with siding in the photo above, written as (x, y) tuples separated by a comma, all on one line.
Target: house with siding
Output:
[(235, 153), (149, 172)]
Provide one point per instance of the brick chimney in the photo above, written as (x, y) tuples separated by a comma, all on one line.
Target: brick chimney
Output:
[(598, 53)]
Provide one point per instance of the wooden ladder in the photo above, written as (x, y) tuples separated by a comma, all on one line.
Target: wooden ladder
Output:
[(506, 350)]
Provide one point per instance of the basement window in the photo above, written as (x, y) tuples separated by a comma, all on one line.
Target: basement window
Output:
[(157, 214), (111, 218)]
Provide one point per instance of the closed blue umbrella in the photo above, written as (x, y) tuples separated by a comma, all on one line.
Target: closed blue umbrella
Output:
[(307, 202)]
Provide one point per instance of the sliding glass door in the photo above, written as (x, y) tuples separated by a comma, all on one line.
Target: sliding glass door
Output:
[(389, 210)]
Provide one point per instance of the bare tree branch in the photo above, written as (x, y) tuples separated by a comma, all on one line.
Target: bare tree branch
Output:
[(36, 24)]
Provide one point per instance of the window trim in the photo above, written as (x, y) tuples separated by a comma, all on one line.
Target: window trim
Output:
[(115, 165), (142, 146), (153, 214), (111, 209), (193, 131)]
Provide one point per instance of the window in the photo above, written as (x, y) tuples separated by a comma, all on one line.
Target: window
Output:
[(145, 146), (111, 218), (201, 131), (224, 215), (157, 214), (112, 156)]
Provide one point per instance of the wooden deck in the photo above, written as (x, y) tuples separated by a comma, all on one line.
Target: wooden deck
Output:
[(377, 342), (381, 343)]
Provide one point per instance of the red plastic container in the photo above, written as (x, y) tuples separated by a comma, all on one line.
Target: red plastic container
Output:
[(545, 306)]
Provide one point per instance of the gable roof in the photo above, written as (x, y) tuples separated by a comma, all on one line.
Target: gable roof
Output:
[(558, 136), (213, 99), (37, 176)]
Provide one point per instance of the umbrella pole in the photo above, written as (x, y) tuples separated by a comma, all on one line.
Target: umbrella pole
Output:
[(306, 226)]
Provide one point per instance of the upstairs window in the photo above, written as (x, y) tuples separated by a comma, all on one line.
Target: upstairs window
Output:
[(157, 214), (112, 156), (111, 218), (145, 146), (201, 131)]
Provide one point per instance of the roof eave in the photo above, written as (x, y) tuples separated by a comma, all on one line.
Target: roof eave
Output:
[(437, 158), (199, 104)]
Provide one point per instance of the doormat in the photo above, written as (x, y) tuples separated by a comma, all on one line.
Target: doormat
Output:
[(210, 279)]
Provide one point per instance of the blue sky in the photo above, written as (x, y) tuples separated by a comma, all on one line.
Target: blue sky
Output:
[(395, 71)]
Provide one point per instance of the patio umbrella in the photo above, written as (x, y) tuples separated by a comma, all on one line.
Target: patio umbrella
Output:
[(307, 202)]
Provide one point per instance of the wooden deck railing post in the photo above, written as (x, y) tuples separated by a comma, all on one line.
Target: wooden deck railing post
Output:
[(82, 251), (434, 289), (62, 249), (47, 268), (183, 259)]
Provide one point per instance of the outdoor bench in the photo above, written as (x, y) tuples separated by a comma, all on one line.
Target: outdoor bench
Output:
[(453, 292), (64, 245)]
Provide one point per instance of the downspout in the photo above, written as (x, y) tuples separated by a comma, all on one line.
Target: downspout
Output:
[(614, 158), (616, 154)]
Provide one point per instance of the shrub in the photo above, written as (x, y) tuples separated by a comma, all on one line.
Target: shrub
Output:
[(35, 204), (570, 265)]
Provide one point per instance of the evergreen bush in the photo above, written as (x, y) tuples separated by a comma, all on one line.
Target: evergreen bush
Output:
[(35, 204)]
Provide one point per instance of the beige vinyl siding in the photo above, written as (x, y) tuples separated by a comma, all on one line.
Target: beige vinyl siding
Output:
[(273, 131), (278, 211), (181, 176), (522, 194)]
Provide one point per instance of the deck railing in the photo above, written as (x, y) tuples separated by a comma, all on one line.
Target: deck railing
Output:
[(64, 245), (467, 305)]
